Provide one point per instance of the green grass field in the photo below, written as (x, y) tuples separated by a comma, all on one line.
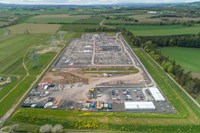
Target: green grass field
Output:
[(1, 32), (91, 20), (53, 20), (15, 49), (188, 58), (162, 30), (187, 118), (33, 28), (64, 19)]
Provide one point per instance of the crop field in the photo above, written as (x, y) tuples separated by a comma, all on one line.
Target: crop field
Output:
[(188, 58), (142, 16), (146, 19), (26, 28), (91, 20), (156, 19), (77, 27), (60, 16), (53, 20), (162, 30), (187, 118), (64, 18)]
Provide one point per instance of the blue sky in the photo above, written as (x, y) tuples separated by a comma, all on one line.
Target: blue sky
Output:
[(84, 2)]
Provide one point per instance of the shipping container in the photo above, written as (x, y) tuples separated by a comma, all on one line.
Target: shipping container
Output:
[(109, 106), (99, 105), (93, 104), (105, 106)]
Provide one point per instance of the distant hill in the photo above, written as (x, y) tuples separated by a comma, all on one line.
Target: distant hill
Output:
[(7, 5), (195, 3), (119, 4)]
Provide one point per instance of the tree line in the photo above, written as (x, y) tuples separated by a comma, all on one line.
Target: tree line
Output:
[(185, 79), (103, 29), (192, 41), (123, 18), (134, 40)]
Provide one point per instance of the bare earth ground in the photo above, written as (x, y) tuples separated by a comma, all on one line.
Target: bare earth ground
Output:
[(196, 75), (63, 78), (73, 76)]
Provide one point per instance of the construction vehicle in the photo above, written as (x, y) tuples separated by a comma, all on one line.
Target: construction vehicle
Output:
[(91, 93)]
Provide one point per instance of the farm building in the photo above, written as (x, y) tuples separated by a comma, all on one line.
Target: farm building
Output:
[(140, 106), (158, 97)]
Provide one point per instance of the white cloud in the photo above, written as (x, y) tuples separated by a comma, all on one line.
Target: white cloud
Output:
[(84, 2)]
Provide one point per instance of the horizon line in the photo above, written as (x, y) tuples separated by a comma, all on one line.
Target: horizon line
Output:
[(73, 4)]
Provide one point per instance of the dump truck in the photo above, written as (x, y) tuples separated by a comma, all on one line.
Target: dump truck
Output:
[(91, 93)]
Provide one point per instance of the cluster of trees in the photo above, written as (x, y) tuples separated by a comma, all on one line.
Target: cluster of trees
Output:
[(50, 129), (150, 44), (20, 19), (124, 18), (167, 15), (103, 29), (185, 79), (135, 41), (192, 41)]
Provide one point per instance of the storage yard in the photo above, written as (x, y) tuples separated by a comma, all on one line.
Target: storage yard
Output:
[(98, 72)]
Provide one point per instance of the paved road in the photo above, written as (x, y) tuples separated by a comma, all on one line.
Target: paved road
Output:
[(138, 62)]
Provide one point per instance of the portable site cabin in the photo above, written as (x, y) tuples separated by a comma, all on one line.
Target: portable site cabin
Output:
[(46, 87), (158, 97), (140, 106)]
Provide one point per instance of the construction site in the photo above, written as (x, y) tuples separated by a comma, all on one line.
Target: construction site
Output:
[(98, 72)]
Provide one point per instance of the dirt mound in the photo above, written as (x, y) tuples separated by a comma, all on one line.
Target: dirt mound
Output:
[(63, 78)]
